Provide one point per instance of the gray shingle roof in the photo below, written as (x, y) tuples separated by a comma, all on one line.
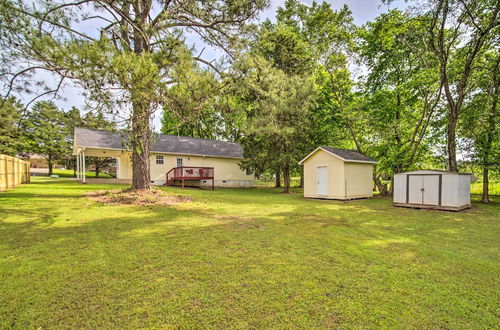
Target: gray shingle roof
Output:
[(163, 143), (347, 154)]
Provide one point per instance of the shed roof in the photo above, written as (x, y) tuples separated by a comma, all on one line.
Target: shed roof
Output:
[(344, 154), (172, 144)]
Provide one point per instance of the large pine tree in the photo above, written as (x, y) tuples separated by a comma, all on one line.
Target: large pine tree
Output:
[(124, 57), (11, 142)]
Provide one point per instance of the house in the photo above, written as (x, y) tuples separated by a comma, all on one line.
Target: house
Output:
[(434, 189), (188, 161), (39, 161), (333, 173)]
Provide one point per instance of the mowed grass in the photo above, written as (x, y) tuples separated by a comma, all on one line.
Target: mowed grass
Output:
[(242, 258), (70, 174)]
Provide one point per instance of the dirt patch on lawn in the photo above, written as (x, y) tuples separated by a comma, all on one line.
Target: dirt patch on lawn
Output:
[(154, 196), (243, 222)]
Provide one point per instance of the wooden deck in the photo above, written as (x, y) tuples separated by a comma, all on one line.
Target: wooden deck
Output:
[(184, 174)]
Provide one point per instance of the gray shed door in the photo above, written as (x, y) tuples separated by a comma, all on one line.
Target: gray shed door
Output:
[(423, 189)]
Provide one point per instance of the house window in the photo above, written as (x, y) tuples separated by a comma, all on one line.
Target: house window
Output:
[(179, 162), (159, 160)]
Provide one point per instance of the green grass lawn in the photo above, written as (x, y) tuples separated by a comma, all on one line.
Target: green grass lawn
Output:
[(88, 174), (242, 258)]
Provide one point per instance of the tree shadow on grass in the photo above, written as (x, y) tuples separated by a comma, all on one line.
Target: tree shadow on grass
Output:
[(247, 263)]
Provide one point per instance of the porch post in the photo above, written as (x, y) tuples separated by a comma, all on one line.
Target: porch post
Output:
[(78, 165), (83, 167), (117, 167)]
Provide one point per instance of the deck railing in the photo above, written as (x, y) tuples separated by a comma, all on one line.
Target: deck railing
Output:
[(185, 173)]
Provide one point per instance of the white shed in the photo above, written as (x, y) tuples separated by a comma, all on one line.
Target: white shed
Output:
[(432, 189)]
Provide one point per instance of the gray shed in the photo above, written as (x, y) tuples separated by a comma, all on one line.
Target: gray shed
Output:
[(432, 189)]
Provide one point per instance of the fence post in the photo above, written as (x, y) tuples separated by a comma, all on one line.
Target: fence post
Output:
[(28, 171), (3, 173), (6, 172), (16, 172)]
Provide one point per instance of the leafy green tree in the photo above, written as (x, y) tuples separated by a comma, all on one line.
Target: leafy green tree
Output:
[(281, 46), (327, 32), (11, 141), (458, 31), (45, 131), (300, 43), (401, 93), (194, 106), (277, 108), (480, 119), (328, 36), (126, 61)]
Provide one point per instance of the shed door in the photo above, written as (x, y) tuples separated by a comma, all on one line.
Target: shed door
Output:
[(322, 180), (431, 190), (423, 189), (415, 186)]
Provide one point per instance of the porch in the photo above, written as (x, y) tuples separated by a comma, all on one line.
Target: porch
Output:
[(82, 154), (183, 175)]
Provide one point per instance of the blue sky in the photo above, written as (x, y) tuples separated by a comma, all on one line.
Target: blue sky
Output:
[(363, 11)]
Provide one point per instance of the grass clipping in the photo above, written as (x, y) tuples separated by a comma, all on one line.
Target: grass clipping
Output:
[(155, 196)]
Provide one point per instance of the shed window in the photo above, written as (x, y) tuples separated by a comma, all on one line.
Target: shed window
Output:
[(179, 162), (159, 160)]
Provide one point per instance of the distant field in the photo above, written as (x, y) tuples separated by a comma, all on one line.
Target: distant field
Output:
[(476, 188)]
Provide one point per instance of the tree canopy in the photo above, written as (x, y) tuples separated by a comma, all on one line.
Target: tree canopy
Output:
[(126, 62), (412, 88)]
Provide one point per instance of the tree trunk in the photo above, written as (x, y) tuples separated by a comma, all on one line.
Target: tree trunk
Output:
[(141, 137), (490, 132), (382, 188), (49, 162), (452, 143), (97, 171), (74, 170), (485, 198), (286, 179), (141, 115), (302, 177), (278, 179)]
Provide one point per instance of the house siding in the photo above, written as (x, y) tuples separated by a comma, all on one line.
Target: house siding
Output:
[(227, 172), (359, 180), (125, 166)]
